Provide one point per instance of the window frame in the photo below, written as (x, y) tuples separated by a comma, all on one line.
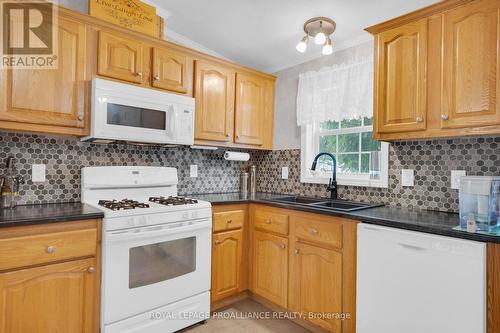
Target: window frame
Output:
[(310, 135)]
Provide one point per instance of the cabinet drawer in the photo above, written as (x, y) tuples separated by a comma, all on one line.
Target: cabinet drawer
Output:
[(43, 248), (232, 219), (273, 222), (322, 233)]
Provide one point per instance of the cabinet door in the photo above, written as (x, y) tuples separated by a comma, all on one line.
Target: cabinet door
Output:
[(169, 70), (214, 94), (226, 263), (250, 109), (401, 78), (316, 283), (270, 267), (52, 298), (50, 96), (471, 63), (120, 58)]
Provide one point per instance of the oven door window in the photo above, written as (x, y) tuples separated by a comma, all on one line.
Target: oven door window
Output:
[(158, 262), (123, 115)]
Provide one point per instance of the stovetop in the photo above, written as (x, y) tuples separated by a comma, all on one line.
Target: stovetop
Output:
[(126, 204)]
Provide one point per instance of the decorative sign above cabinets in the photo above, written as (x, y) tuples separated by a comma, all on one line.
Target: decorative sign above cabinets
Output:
[(131, 14)]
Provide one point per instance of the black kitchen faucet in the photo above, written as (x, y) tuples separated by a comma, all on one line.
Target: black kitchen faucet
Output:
[(332, 184)]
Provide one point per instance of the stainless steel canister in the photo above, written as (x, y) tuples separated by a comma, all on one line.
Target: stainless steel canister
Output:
[(244, 184), (253, 179)]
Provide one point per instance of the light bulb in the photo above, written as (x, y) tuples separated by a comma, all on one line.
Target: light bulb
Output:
[(302, 45), (320, 38), (327, 48)]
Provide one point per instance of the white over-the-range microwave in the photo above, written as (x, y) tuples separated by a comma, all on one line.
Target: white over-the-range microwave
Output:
[(123, 112)]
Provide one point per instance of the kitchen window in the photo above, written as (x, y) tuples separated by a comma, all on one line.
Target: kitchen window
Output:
[(361, 160)]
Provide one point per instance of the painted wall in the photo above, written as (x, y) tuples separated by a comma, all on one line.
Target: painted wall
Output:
[(286, 131)]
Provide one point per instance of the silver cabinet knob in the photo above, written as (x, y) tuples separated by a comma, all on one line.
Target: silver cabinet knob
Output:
[(420, 119), (229, 221), (80, 116), (217, 241), (296, 251), (314, 231), (91, 269), (268, 221), (139, 74), (227, 135), (156, 78), (444, 117), (237, 136), (50, 249), (283, 246)]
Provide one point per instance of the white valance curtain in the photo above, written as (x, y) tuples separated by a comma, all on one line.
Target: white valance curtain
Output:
[(340, 92)]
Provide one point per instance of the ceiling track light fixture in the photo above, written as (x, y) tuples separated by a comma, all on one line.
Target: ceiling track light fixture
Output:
[(319, 28)]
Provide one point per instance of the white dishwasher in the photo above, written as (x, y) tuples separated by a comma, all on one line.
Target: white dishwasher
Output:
[(413, 282)]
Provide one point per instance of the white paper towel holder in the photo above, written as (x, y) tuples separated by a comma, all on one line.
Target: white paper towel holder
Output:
[(236, 156)]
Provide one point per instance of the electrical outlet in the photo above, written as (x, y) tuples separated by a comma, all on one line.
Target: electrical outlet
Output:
[(407, 177), (38, 173), (193, 171), (455, 178), (284, 172)]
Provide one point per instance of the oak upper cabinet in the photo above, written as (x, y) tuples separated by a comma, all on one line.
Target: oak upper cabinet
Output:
[(471, 64), (401, 78), (214, 94), (120, 57), (270, 267), (49, 100), (437, 72), (317, 283), (226, 264), (169, 70), (56, 298), (250, 111)]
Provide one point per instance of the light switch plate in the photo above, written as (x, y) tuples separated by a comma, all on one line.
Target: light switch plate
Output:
[(455, 178), (284, 172), (38, 173), (193, 171), (407, 177)]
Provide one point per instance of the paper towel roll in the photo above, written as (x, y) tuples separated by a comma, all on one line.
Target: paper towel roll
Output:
[(236, 156)]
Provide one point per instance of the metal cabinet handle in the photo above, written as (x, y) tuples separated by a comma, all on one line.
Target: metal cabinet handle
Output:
[(91, 269), (314, 231), (444, 116), (156, 78), (283, 246), (229, 221), (420, 119), (217, 241), (227, 135), (50, 249), (268, 221), (139, 74), (80, 116), (237, 136), (296, 251)]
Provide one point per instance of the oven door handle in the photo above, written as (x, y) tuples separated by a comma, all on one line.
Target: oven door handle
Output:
[(154, 231)]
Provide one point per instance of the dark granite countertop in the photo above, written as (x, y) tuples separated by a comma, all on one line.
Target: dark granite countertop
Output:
[(433, 222), (47, 213)]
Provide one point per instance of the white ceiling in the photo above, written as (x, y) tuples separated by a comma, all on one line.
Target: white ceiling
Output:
[(262, 33)]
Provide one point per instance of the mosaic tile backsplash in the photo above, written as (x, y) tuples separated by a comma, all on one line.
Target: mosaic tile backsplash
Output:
[(65, 156), (431, 160)]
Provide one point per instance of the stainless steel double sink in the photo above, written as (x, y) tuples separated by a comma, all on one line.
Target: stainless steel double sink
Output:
[(323, 203)]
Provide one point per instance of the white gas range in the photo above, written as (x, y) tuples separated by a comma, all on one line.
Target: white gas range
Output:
[(156, 249)]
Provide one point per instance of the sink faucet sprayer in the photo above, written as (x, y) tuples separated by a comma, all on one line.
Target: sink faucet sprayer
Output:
[(332, 185)]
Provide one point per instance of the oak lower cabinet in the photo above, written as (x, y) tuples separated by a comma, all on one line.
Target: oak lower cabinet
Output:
[(49, 100), (437, 72), (50, 280), (305, 263), (270, 267), (229, 248)]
